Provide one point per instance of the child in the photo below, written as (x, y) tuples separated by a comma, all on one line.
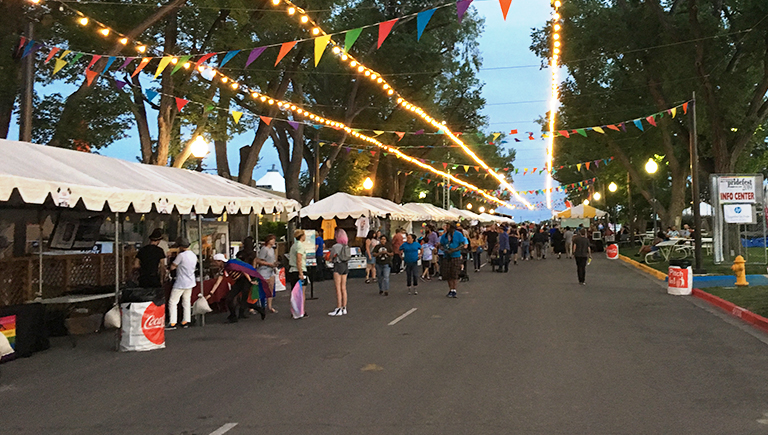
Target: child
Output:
[(426, 259)]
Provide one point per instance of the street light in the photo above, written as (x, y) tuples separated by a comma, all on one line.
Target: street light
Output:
[(651, 167), (368, 183), (199, 147), (469, 206), (481, 209), (586, 202), (597, 196), (613, 187)]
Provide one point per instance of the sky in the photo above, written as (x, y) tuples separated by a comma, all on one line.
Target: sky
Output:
[(516, 90)]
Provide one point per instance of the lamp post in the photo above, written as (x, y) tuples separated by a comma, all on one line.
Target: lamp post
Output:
[(199, 149), (469, 206), (651, 167), (612, 188), (368, 183)]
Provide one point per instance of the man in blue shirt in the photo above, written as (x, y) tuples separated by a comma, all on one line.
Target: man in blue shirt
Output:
[(503, 249), (410, 250), (451, 243), (319, 248)]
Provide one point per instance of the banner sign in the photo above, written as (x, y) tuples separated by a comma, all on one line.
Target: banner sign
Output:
[(739, 213), (742, 189)]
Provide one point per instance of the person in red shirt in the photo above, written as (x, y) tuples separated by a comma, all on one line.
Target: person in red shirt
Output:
[(397, 240)]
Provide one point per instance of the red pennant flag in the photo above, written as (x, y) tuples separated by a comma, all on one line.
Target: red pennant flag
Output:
[(266, 119), (90, 75), (513, 131), (534, 170), (141, 66), (565, 133), (203, 59), (428, 181), (587, 165), (94, 59), (530, 137), (373, 153), (284, 49), (53, 52), (384, 29), (400, 135), (180, 103), (651, 120), (445, 165), (22, 42), (477, 168), (685, 108), (505, 7), (613, 127)]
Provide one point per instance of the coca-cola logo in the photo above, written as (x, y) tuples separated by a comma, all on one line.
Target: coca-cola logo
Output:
[(678, 278), (153, 323), (612, 251)]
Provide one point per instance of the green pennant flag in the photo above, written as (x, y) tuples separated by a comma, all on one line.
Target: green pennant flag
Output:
[(582, 131), (385, 153), (209, 107), (180, 63), (76, 58), (350, 37)]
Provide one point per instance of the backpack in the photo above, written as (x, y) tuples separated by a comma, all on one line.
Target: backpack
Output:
[(344, 255)]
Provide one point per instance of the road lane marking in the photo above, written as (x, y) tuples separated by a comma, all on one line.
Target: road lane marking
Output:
[(407, 313), (224, 429)]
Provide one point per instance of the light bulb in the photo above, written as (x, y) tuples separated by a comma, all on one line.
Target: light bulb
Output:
[(263, 98), (224, 79), (469, 206), (304, 18), (316, 31), (104, 31), (613, 187), (368, 184), (386, 86), (335, 50), (271, 101), (586, 202), (556, 16), (360, 68), (123, 41), (141, 48), (558, 4), (199, 147), (353, 64), (174, 61), (481, 209), (83, 21), (557, 27), (379, 80), (235, 86), (344, 57), (275, 2), (187, 65), (557, 43), (367, 73), (651, 166), (291, 10), (390, 92), (597, 196)]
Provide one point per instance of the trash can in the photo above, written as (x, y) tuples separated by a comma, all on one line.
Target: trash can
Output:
[(143, 319), (612, 251), (680, 278)]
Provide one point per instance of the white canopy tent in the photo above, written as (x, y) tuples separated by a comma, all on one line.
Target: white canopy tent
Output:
[(465, 214), (704, 209), (486, 218), (343, 205), (432, 212), (69, 177), (581, 211)]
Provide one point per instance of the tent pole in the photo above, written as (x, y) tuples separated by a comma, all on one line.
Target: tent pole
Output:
[(117, 274), (40, 259), (200, 260)]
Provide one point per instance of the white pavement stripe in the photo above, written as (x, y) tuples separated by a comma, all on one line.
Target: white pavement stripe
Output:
[(407, 313), (224, 429)]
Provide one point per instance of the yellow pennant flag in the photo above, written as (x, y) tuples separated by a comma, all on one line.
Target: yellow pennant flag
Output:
[(466, 168), (236, 116), (599, 130), (578, 166), (674, 111), (378, 132), (163, 63), (59, 65), (66, 52), (496, 136), (320, 43)]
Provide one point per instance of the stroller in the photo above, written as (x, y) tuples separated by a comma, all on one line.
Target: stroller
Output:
[(495, 259), (463, 275)]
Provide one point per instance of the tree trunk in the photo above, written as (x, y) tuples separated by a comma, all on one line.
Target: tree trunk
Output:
[(167, 112), (12, 22), (142, 122), (220, 144)]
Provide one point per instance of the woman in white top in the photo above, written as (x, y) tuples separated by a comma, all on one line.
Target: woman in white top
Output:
[(267, 262)]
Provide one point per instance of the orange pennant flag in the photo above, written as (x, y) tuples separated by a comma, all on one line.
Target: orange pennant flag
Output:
[(587, 165), (141, 66), (266, 119), (90, 75), (505, 7), (284, 49), (384, 29), (685, 108), (400, 135)]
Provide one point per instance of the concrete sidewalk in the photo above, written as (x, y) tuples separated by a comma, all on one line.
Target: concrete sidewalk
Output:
[(525, 352)]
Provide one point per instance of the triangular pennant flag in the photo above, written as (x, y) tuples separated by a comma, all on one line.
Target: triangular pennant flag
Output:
[(673, 111), (505, 7), (59, 65), (587, 165), (623, 127), (125, 64), (378, 132), (582, 132), (109, 63), (578, 166), (94, 59), (350, 37), (651, 120), (119, 84), (209, 108), (597, 163), (266, 119), (180, 63), (28, 49), (53, 52), (22, 42), (517, 140), (384, 29), (496, 136), (228, 57), (445, 165), (180, 103), (530, 136), (440, 130), (294, 124), (320, 43), (461, 8), (151, 95), (613, 127), (466, 168), (599, 130), (76, 58), (534, 170), (254, 54), (565, 133), (373, 153), (141, 66), (203, 59), (513, 131), (638, 124), (419, 132), (525, 170), (90, 75), (162, 65), (284, 49), (685, 108), (422, 19)]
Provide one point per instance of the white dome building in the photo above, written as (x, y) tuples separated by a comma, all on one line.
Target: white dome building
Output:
[(272, 180)]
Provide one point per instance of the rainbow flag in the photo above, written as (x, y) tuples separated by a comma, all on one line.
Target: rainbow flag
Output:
[(8, 329)]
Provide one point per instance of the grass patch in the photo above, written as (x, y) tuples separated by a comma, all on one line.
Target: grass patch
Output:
[(707, 262), (754, 299)]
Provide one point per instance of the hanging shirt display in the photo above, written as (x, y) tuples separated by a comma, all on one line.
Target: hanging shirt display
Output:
[(363, 226), (329, 228)]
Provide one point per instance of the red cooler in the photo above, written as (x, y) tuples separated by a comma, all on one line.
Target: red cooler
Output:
[(143, 326), (680, 278), (612, 251)]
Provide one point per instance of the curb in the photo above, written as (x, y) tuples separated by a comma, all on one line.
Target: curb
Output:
[(647, 269), (753, 319)]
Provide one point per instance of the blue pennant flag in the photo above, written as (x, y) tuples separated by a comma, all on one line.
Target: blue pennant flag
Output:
[(110, 61), (151, 95), (228, 57), (639, 124), (421, 21)]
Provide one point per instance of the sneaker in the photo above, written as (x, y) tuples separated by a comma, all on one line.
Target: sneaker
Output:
[(367, 281), (344, 311), (415, 292), (386, 293), (582, 283), (423, 279), (452, 294), (170, 327), (409, 290), (337, 312), (381, 292), (185, 325)]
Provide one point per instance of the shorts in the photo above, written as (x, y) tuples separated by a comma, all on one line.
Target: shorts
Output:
[(451, 267), (341, 268), (370, 260)]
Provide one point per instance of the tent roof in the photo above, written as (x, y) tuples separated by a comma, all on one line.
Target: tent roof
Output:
[(581, 211), (432, 212), (343, 205), (465, 214), (38, 171)]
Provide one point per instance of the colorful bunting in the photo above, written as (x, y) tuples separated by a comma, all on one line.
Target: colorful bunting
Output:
[(638, 124), (294, 124), (505, 7), (182, 60), (422, 19), (284, 49), (127, 61), (109, 63), (400, 135), (384, 29), (119, 84), (94, 59), (180, 103), (350, 37), (651, 120), (90, 75), (151, 94), (59, 65), (266, 119), (236, 116), (321, 42), (203, 59), (53, 52), (461, 8), (599, 130), (228, 57), (141, 66), (164, 62), (254, 54)]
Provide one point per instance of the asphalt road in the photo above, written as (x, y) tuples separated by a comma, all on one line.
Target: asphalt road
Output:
[(528, 352)]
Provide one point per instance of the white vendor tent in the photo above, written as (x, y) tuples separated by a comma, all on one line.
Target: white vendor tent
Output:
[(704, 210), (343, 205), (432, 212), (465, 214), (581, 211), (69, 177), (485, 217)]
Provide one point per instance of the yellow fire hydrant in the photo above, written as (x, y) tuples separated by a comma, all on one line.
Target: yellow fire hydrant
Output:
[(740, 270)]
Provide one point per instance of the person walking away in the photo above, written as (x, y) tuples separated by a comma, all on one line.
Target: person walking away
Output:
[(297, 261), (184, 265), (539, 241), (491, 237), (503, 250), (558, 242), (568, 239), (426, 260), (525, 244), (514, 243), (410, 250), (319, 256), (370, 262), (383, 253), (340, 256), (476, 248), (582, 253), (267, 263), (150, 262), (397, 240), (452, 243)]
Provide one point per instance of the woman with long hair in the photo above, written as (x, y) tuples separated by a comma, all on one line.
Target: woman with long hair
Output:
[(340, 255), (370, 263), (267, 262), (297, 260), (383, 254)]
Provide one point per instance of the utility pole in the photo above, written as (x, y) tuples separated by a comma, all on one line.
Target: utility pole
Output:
[(631, 217), (28, 90), (694, 144), (316, 178)]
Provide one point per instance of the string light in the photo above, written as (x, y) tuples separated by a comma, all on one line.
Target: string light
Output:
[(104, 31), (83, 21), (554, 98)]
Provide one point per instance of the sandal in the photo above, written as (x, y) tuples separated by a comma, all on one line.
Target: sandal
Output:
[(273, 311)]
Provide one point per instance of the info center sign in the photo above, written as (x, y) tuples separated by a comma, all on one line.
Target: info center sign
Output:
[(737, 200), (739, 189)]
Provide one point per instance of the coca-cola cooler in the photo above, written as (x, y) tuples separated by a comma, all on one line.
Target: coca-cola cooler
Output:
[(612, 251), (680, 278), (143, 320)]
